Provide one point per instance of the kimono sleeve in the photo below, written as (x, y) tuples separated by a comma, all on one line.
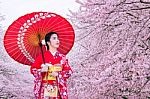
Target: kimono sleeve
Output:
[(36, 65), (35, 69), (67, 71)]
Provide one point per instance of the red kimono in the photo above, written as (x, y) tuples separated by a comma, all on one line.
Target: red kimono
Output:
[(61, 79)]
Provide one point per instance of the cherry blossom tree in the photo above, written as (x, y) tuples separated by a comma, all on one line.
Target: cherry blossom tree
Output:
[(111, 55), (16, 81)]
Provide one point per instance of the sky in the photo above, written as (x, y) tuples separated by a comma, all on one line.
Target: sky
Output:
[(13, 9)]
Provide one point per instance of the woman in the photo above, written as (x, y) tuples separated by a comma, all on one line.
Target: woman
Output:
[(50, 78)]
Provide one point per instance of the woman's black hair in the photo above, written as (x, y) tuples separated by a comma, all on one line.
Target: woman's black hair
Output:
[(47, 38)]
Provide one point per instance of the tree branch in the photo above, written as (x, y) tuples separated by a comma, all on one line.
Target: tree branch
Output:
[(144, 2), (141, 8)]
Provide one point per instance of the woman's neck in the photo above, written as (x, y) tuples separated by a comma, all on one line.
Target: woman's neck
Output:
[(52, 50)]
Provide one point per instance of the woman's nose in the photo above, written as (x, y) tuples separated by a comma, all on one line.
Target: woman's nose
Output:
[(57, 40)]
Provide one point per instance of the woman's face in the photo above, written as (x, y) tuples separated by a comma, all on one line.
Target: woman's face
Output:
[(54, 41)]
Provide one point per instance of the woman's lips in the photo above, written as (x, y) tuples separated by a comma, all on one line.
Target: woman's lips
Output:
[(57, 43)]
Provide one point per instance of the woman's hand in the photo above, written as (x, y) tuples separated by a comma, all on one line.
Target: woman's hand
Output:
[(44, 68), (55, 74)]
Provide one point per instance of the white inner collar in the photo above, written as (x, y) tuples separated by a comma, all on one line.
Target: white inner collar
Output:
[(53, 53)]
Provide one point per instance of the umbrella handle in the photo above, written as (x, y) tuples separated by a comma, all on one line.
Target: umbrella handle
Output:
[(40, 44)]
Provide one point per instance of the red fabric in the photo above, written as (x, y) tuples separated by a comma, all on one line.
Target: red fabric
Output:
[(62, 76)]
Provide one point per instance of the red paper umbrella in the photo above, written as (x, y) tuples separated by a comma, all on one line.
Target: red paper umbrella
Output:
[(23, 36)]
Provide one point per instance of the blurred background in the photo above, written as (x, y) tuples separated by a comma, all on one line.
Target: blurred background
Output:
[(110, 57)]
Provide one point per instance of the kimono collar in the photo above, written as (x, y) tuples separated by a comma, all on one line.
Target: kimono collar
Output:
[(54, 53)]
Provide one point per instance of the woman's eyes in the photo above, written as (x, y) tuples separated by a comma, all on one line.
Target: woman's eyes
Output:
[(54, 38)]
